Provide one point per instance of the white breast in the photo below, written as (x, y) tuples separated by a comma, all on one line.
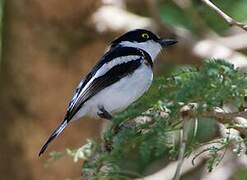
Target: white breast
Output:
[(120, 95)]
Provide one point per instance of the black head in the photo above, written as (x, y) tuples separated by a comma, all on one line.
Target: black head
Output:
[(142, 35)]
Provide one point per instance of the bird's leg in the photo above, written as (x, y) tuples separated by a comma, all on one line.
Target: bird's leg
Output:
[(104, 114)]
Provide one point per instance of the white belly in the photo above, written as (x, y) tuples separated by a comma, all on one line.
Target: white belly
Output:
[(120, 95)]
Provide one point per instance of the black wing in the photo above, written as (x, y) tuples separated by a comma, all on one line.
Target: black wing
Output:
[(112, 75), (108, 78), (99, 83)]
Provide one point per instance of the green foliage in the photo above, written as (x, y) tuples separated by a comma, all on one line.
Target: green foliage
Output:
[(241, 174), (148, 130), (175, 16), (203, 17), (232, 8)]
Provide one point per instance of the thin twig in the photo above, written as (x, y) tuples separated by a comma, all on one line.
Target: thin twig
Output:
[(228, 19), (182, 148), (187, 115), (188, 112)]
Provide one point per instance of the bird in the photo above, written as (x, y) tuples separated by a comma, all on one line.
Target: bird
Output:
[(120, 77)]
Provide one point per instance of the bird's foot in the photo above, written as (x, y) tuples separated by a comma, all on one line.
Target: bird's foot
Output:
[(104, 114)]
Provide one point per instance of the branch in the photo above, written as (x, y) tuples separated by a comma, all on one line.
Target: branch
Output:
[(228, 19), (187, 112), (239, 118), (182, 147)]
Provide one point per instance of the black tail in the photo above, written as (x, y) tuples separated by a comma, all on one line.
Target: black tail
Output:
[(55, 134)]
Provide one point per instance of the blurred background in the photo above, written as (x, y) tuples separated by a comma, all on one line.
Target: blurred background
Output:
[(47, 47)]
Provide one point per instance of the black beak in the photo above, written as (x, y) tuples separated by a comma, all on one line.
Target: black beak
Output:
[(167, 42)]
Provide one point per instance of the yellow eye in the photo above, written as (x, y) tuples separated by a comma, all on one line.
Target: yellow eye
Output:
[(145, 36)]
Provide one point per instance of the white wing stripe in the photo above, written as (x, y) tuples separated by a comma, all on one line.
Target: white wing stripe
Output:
[(120, 60), (105, 68)]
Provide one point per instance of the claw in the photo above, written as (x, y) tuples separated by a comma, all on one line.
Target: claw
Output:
[(103, 113)]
